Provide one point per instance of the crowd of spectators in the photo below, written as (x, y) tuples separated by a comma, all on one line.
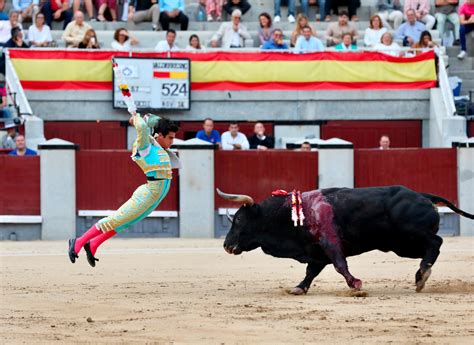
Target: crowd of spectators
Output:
[(418, 15)]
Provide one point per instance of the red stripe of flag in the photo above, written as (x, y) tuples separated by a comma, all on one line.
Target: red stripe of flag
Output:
[(161, 74)]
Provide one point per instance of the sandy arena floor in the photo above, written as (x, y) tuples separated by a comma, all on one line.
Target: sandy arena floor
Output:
[(191, 291)]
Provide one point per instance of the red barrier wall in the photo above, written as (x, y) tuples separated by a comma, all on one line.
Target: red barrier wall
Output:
[(107, 178), (424, 170), (258, 173), (89, 135), (470, 129), (366, 134), (186, 127), (20, 185)]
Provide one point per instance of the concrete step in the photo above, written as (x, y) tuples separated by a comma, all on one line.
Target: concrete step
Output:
[(467, 85), (464, 75), (466, 64)]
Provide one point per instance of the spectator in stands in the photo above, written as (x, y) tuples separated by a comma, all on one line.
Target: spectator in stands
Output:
[(390, 10), (242, 5), (8, 139), (351, 7), (301, 21), (422, 11), (466, 17), (7, 26), (123, 41), (168, 45), (194, 43), (104, 5), (259, 140), (144, 11), (276, 43), (88, 5), (373, 34), (173, 11), (89, 41), (3, 14), (346, 44), (305, 147), (17, 40), (27, 9), (75, 30), (387, 46), (232, 34), (233, 139), (5, 112), (308, 43), (447, 10), (39, 34), (426, 43), (21, 149), (291, 10), (322, 9), (336, 30), (265, 30), (411, 30), (57, 10), (213, 9), (208, 133), (384, 142)]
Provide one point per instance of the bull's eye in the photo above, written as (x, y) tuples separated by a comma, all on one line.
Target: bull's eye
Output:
[(237, 219)]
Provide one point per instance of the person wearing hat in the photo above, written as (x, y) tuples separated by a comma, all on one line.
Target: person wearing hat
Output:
[(231, 34), (17, 39), (8, 140)]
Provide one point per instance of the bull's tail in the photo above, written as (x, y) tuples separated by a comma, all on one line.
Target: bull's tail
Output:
[(439, 200)]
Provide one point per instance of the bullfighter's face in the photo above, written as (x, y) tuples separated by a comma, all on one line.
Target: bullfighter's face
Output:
[(243, 233)]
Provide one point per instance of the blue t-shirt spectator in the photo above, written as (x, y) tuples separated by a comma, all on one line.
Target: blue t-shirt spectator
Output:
[(269, 45), (213, 138), (28, 152)]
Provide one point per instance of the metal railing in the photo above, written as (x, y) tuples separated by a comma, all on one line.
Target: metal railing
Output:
[(16, 92)]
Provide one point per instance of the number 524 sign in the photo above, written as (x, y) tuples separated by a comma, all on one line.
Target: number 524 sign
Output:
[(156, 83)]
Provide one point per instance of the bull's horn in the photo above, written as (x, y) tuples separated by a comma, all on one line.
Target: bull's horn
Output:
[(243, 199), (229, 217)]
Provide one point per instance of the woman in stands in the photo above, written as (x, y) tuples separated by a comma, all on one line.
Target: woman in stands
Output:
[(194, 43), (102, 6), (123, 41), (387, 46), (346, 44), (373, 34), (466, 18), (426, 43), (301, 21), (265, 30), (89, 41), (213, 9), (39, 34)]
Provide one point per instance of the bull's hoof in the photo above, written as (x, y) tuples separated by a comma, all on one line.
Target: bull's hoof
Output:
[(421, 278), (297, 291), (356, 284)]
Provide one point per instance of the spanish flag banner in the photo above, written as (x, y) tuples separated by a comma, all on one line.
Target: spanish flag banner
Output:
[(86, 70)]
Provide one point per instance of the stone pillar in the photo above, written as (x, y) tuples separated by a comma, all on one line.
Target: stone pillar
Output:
[(34, 132), (335, 163), (196, 189), (465, 158), (58, 189)]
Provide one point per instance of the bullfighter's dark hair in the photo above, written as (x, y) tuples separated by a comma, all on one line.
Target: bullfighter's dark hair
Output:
[(164, 126)]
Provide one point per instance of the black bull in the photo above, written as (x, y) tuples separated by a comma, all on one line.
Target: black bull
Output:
[(341, 222)]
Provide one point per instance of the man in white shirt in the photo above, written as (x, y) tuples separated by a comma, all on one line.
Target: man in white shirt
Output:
[(233, 139), (232, 34), (168, 45)]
